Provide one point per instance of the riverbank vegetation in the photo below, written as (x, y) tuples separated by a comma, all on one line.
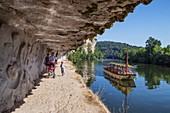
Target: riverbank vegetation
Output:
[(152, 53), (82, 54)]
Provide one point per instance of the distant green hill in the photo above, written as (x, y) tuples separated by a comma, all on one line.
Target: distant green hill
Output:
[(114, 50)]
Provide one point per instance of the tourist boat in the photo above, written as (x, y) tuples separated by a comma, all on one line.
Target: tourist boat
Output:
[(120, 71)]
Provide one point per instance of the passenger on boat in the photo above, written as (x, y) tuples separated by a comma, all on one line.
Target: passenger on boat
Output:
[(109, 66)]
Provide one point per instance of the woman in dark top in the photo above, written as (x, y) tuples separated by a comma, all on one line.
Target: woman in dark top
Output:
[(47, 62)]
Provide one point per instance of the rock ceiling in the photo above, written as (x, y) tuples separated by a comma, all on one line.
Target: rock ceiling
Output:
[(65, 24)]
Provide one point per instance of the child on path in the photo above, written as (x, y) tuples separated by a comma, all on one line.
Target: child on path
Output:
[(62, 68)]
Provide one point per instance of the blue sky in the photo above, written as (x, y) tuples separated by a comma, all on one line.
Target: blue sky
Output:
[(146, 20)]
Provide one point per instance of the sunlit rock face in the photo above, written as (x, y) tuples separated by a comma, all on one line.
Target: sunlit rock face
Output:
[(29, 27)]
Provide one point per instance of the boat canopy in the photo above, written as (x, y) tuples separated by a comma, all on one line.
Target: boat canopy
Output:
[(122, 65)]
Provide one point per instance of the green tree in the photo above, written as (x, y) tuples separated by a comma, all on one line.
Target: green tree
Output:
[(98, 54), (157, 50), (150, 44), (167, 50), (80, 54), (141, 55), (153, 53), (133, 52)]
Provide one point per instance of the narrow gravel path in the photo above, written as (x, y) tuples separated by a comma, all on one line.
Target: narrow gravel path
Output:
[(64, 94)]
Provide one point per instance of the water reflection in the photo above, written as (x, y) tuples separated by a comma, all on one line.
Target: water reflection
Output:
[(120, 97), (125, 86), (86, 70), (153, 74)]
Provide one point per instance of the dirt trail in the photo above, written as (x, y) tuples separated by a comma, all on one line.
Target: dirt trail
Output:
[(64, 94)]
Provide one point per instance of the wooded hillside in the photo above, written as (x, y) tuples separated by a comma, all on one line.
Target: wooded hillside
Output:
[(114, 50)]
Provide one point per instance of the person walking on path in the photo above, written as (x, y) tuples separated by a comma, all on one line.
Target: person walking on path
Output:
[(62, 68), (53, 58), (47, 62), (52, 61)]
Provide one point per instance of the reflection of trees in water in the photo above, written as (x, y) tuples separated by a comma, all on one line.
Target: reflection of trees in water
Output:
[(80, 67), (86, 70), (90, 81), (153, 74)]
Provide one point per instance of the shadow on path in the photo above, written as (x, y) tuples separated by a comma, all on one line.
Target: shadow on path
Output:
[(17, 104)]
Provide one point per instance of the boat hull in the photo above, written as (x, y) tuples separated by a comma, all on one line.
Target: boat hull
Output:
[(119, 76)]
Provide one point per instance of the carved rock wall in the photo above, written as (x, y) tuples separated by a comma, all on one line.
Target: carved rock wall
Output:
[(21, 61), (29, 27)]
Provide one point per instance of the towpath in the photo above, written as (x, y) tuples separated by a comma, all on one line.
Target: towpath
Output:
[(64, 94)]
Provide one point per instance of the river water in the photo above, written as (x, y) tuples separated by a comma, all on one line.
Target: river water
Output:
[(148, 93)]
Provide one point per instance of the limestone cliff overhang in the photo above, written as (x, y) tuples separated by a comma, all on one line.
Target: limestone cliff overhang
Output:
[(65, 24)]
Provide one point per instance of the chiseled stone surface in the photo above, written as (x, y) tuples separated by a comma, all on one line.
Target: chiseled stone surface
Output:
[(21, 61), (29, 27)]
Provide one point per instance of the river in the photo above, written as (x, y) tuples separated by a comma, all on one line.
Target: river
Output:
[(150, 91)]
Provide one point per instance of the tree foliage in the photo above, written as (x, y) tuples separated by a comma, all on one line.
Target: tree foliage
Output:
[(153, 53), (80, 54), (114, 50)]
